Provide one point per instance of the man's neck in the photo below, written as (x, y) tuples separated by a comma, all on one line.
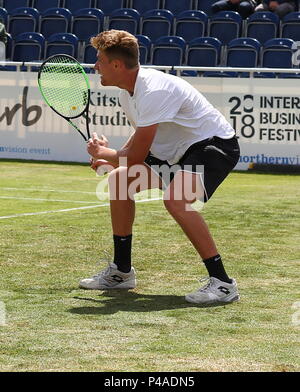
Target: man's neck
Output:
[(128, 83)]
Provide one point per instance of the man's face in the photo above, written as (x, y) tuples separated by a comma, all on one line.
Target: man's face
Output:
[(106, 69)]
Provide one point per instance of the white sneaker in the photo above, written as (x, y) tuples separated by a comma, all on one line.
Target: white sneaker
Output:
[(110, 278), (215, 291)]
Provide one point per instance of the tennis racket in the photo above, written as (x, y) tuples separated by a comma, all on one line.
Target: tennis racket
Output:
[(65, 88)]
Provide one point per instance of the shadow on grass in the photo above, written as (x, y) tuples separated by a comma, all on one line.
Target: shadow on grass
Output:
[(115, 301)]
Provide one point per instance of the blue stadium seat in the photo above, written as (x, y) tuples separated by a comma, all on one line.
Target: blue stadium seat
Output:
[(54, 20), (205, 6), (243, 52), (145, 48), (262, 26), (157, 23), (168, 50), (191, 24), (75, 5), (11, 5), (89, 54), (9, 44), (3, 16), (204, 52), (108, 6), (265, 75), (43, 5), (124, 19), (290, 26), (177, 6), (220, 74), (87, 22), (225, 25), (144, 5), (277, 53), (22, 20), (28, 47), (61, 43)]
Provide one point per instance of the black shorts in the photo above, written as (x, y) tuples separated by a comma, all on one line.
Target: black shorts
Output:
[(213, 158)]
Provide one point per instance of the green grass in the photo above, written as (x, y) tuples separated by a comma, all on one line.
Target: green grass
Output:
[(51, 325)]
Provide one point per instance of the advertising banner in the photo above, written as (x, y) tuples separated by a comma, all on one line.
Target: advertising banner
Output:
[(264, 112)]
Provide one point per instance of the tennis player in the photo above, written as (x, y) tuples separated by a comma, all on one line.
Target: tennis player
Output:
[(177, 129)]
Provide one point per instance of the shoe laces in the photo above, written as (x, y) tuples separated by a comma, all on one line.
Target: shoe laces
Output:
[(106, 271), (208, 284)]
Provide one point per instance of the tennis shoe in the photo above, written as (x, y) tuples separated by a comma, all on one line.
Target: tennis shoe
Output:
[(215, 291), (110, 278)]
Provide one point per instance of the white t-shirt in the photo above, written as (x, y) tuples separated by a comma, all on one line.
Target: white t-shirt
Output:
[(182, 112)]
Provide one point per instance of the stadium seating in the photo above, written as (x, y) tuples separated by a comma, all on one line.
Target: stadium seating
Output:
[(204, 52), (177, 6), (43, 5), (22, 20), (75, 5), (262, 26), (156, 23), (125, 19), (108, 6), (168, 50), (11, 5), (290, 26), (142, 6), (3, 16), (191, 24), (145, 48), (205, 6), (225, 25), (61, 43), (243, 52), (89, 54), (87, 22), (277, 53), (55, 20), (28, 47)]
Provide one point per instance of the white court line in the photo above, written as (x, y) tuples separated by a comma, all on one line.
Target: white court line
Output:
[(38, 199), (70, 209), (44, 190)]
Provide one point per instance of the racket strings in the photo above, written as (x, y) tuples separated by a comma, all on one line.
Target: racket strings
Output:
[(64, 86)]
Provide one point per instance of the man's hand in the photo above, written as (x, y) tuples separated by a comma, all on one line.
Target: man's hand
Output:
[(96, 147), (101, 166), (273, 5)]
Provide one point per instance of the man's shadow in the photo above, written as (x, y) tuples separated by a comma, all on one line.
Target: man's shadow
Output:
[(114, 301)]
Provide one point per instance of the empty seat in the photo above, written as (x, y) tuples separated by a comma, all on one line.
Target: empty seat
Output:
[(156, 23), (65, 43), (290, 26), (277, 53), (177, 6), (168, 50), (243, 52), (87, 22), (144, 48), (22, 20), (74, 6), (124, 19), (225, 25), (262, 26), (11, 5), (43, 5), (108, 6), (142, 6), (89, 54), (191, 24), (205, 6), (54, 20), (204, 52), (28, 47)]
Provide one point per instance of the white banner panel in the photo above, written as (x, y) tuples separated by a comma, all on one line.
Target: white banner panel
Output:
[(264, 112)]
